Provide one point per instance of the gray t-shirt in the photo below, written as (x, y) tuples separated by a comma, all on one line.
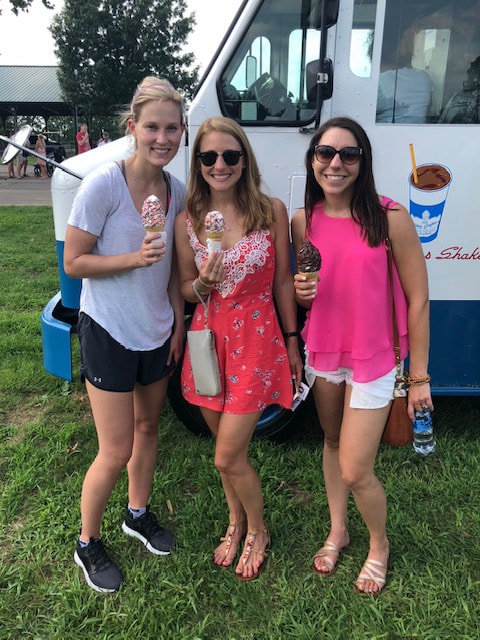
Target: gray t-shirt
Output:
[(133, 307)]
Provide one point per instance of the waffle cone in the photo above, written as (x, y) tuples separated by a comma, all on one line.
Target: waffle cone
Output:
[(158, 228), (309, 275)]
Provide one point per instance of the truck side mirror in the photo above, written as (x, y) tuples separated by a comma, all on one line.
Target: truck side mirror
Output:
[(331, 13)]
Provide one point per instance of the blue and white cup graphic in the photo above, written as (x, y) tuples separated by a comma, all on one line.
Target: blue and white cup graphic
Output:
[(427, 199)]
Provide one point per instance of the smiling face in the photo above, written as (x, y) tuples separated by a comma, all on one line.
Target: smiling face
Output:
[(335, 177), (157, 132), (220, 176)]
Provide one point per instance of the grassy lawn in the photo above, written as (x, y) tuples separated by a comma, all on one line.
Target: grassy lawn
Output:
[(47, 440)]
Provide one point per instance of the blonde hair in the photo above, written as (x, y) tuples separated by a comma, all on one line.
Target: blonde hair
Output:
[(256, 207), (151, 88)]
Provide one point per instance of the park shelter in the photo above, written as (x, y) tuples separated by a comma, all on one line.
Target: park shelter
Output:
[(32, 91)]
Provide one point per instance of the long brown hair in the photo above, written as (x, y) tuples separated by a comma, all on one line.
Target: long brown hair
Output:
[(255, 206), (365, 205)]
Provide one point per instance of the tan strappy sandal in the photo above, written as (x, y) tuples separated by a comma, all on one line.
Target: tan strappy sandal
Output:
[(325, 552), (228, 539), (376, 572), (249, 548)]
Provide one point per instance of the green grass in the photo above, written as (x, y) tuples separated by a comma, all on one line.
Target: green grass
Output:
[(47, 440)]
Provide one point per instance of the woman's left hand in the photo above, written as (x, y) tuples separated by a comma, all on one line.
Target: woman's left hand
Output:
[(296, 364), (419, 397), (152, 249)]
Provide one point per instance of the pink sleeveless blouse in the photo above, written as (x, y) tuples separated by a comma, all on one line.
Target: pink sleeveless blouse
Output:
[(350, 321)]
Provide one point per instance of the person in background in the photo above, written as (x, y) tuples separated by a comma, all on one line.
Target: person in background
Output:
[(22, 162), (104, 139), (82, 138), (404, 93), (259, 365), (11, 164), (41, 147), (131, 321), (349, 333)]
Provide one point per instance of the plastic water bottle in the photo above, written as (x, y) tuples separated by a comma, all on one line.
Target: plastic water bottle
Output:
[(423, 440)]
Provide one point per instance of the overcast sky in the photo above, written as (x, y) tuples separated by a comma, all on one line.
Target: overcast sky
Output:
[(25, 39)]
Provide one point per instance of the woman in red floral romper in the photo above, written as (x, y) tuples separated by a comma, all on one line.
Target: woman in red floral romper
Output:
[(259, 365)]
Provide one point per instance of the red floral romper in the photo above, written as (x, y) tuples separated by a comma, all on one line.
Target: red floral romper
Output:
[(253, 360)]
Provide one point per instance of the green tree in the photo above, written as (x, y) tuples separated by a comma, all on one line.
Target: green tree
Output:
[(106, 48), (24, 5)]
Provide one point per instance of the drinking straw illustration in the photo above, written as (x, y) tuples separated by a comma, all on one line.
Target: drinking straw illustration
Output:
[(414, 164)]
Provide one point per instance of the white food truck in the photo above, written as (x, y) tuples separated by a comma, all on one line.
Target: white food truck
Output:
[(409, 72)]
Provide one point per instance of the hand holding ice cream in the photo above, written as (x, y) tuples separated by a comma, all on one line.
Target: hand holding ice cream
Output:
[(214, 227), (153, 218)]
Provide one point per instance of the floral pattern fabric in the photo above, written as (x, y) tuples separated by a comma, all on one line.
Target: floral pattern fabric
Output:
[(253, 360)]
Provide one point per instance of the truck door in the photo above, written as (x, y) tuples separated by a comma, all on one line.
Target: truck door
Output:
[(265, 77), (409, 71)]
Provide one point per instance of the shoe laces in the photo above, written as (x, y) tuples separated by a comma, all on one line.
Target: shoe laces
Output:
[(97, 555), (150, 525)]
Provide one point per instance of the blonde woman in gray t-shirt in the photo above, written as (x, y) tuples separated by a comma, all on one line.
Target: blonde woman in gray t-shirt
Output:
[(131, 321)]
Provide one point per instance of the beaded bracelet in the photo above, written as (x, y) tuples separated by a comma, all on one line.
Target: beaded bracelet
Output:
[(417, 381)]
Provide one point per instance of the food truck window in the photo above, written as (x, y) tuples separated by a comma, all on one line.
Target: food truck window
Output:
[(430, 63), (266, 80), (361, 41)]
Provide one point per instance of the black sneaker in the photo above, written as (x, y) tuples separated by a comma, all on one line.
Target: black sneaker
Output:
[(100, 572), (156, 539)]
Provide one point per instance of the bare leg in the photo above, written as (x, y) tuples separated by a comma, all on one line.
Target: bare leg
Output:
[(361, 433), (329, 400), (231, 459), (226, 551), (233, 435), (148, 402), (113, 415)]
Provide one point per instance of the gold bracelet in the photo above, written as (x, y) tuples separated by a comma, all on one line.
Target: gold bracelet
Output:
[(417, 381), (197, 291), (205, 284)]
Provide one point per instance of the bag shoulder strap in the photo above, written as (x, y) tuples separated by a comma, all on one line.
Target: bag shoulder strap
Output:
[(396, 340), (205, 303)]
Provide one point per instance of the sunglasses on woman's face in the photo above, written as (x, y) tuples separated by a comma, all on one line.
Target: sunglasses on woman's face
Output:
[(209, 158), (348, 155)]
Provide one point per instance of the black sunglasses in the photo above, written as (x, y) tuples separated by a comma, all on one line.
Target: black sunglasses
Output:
[(209, 158), (348, 155)]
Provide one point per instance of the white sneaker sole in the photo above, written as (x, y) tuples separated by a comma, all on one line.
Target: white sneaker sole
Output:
[(134, 534), (87, 577)]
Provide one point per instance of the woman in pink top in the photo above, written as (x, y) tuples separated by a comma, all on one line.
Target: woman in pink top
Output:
[(348, 334)]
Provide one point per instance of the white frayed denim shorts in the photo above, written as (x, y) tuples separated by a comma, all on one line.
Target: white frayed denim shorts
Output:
[(365, 395)]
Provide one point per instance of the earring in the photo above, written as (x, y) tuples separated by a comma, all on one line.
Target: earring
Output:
[(131, 143)]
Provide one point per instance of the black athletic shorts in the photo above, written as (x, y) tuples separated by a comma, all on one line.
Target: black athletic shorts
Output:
[(110, 366)]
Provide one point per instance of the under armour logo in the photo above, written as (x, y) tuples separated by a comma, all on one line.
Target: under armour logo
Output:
[(95, 379)]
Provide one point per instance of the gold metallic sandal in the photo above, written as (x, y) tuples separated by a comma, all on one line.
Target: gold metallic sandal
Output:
[(249, 549), (228, 539)]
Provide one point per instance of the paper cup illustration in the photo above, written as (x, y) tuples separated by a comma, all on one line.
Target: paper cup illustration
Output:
[(427, 199)]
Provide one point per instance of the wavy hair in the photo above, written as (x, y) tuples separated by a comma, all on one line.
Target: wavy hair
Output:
[(151, 88), (365, 205), (256, 207)]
